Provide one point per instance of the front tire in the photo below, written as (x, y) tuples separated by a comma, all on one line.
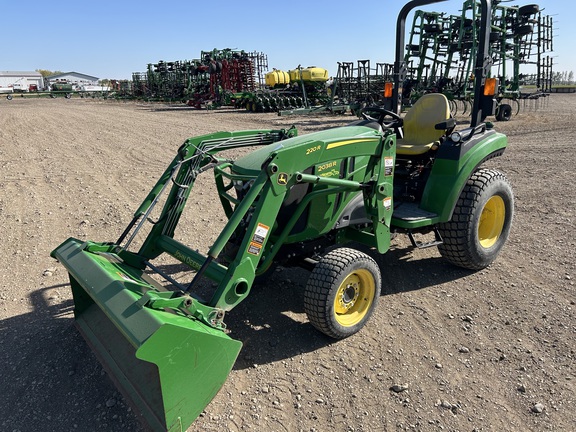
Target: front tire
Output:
[(481, 221), (342, 292)]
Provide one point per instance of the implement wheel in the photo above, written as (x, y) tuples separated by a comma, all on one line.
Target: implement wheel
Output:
[(503, 112), (528, 10), (481, 221), (342, 292)]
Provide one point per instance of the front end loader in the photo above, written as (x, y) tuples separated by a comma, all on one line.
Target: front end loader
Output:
[(308, 201)]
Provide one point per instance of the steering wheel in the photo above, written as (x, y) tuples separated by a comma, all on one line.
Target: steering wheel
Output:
[(394, 122)]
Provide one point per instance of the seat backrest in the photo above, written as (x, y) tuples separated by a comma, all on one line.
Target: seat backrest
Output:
[(423, 116)]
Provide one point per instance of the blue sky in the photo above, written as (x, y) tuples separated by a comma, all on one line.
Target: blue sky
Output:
[(112, 39)]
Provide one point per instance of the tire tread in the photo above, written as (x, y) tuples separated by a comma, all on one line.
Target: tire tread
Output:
[(457, 232), (317, 299)]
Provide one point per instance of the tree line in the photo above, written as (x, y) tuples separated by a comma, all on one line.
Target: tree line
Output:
[(563, 78)]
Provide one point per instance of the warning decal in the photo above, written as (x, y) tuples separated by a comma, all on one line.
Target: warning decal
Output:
[(388, 166), (258, 239), (387, 203)]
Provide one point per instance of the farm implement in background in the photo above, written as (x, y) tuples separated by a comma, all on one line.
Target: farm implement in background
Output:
[(217, 78), (58, 90), (440, 56), (298, 91), (231, 78), (442, 49), (358, 85)]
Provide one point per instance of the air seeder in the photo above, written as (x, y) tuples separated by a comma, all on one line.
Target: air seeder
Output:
[(294, 200)]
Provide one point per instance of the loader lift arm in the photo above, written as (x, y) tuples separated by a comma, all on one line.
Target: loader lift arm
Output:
[(260, 207)]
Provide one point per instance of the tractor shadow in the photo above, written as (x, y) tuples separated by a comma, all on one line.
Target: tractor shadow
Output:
[(47, 367), (403, 272), (51, 381), (271, 322), (273, 326)]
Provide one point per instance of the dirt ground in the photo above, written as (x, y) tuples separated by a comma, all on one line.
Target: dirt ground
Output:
[(447, 349)]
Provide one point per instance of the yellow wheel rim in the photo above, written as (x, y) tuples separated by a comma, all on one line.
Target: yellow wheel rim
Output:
[(491, 221), (354, 298)]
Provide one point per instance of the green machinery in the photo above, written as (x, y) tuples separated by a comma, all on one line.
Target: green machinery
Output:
[(440, 57), (308, 200), (360, 84), (217, 78), (442, 48), (298, 91)]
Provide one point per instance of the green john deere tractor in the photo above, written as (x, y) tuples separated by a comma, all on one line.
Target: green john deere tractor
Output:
[(294, 200)]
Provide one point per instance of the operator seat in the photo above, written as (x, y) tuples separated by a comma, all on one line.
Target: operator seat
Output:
[(420, 133)]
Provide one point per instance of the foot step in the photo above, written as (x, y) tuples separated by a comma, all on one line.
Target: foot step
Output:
[(423, 245)]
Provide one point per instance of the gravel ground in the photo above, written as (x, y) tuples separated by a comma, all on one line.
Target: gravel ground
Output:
[(447, 349)]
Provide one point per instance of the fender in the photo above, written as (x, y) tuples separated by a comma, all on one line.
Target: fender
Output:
[(455, 162)]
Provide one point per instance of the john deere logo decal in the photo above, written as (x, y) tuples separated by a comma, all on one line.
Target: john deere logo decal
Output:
[(282, 178)]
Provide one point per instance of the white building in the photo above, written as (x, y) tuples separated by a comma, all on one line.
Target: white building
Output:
[(21, 80), (78, 80)]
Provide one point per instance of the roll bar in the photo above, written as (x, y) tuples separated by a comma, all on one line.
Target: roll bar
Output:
[(481, 68)]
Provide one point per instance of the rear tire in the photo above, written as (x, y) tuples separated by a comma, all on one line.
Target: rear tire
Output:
[(480, 223), (342, 292)]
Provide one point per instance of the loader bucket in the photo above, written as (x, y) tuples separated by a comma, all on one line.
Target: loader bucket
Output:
[(169, 366)]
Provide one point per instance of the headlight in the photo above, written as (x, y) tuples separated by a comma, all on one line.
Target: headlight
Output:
[(456, 137)]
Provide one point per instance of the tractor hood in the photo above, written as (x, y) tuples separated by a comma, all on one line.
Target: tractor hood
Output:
[(251, 164)]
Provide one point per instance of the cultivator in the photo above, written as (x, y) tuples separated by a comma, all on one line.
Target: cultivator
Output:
[(233, 78), (358, 84), (440, 54), (442, 49), (217, 78)]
